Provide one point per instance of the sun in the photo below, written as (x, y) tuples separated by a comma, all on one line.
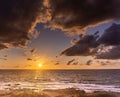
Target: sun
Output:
[(40, 65)]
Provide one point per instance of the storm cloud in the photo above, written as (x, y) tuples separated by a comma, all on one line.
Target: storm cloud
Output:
[(17, 21), (76, 16), (111, 35), (112, 53), (71, 15), (111, 41), (105, 47), (83, 46), (19, 17)]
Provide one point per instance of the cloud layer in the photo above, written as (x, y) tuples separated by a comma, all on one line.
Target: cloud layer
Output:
[(72, 15), (17, 20), (19, 17), (105, 47), (83, 46)]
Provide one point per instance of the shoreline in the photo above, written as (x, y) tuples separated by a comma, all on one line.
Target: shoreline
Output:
[(69, 92), (57, 85), (57, 69)]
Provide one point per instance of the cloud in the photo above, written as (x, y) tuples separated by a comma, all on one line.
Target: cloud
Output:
[(17, 21), (33, 50), (3, 58), (89, 62), (29, 59), (105, 47), (76, 16), (75, 63), (69, 62), (111, 35), (74, 41), (19, 17), (111, 41), (72, 15), (82, 47), (5, 55), (107, 62), (112, 53), (2, 46), (57, 63)]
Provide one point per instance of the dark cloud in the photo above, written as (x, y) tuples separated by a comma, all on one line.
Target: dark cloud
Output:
[(5, 56), (111, 40), (74, 41), (104, 63), (29, 59), (57, 63), (111, 35), (75, 63), (69, 62), (79, 14), (32, 50), (112, 53), (2, 46), (17, 20), (76, 50), (89, 62), (105, 47), (19, 17), (82, 47)]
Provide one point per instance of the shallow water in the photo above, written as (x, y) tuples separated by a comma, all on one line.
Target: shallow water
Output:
[(88, 80)]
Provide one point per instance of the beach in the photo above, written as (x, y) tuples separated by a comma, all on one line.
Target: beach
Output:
[(69, 92)]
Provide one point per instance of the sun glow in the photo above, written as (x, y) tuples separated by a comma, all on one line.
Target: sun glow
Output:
[(40, 65)]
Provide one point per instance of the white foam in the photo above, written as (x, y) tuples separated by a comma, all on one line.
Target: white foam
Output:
[(57, 85)]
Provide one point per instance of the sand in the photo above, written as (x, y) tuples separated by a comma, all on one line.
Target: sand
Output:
[(70, 92)]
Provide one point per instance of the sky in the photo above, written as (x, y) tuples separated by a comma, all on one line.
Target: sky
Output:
[(59, 34)]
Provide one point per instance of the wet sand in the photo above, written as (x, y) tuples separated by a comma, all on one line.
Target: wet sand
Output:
[(70, 92)]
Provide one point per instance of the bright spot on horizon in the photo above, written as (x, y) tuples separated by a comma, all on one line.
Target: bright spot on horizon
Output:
[(40, 65)]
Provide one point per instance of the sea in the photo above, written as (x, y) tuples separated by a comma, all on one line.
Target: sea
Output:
[(37, 80)]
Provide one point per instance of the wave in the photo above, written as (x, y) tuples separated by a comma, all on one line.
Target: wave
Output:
[(57, 85)]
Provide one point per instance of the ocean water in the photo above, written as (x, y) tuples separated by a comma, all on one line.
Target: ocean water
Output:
[(88, 80)]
